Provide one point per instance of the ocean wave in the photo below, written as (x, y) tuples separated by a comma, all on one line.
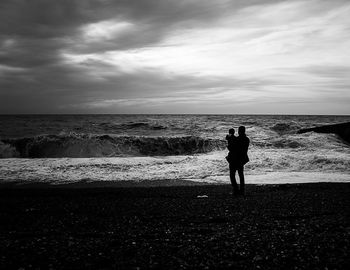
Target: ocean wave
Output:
[(7, 151), (284, 160), (285, 128), (132, 125), (208, 167), (84, 145), (77, 145), (279, 143)]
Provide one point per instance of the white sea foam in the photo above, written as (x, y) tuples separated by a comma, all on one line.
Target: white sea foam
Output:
[(265, 167)]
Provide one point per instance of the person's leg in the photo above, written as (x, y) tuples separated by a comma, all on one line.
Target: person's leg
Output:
[(233, 180), (241, 179)]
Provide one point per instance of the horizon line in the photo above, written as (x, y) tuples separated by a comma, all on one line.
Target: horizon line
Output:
[(81, 114)]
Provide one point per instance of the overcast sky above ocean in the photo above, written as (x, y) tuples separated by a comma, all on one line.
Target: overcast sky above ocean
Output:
[(166, 56)]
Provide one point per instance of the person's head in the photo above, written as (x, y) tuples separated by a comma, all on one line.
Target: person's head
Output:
[(231, 131), (241, 130)]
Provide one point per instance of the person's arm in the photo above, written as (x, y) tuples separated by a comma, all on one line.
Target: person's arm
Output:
[(229, 145), (232, 144), (228, 141), (247, 145)]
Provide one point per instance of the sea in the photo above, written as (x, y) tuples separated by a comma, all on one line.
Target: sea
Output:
[(167, 149)]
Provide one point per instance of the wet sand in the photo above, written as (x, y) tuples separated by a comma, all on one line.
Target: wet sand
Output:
[(300, 226)]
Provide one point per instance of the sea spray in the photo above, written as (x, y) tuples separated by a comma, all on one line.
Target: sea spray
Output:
[(8, 151)]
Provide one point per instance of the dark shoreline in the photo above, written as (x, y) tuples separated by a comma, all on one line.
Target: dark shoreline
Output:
[(101, 184), (289, 226)]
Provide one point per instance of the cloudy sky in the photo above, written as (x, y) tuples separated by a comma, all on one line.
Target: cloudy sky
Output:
[(175, 56)]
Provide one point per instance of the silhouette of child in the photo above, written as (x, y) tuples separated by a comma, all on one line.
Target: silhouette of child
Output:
[(231, 139)]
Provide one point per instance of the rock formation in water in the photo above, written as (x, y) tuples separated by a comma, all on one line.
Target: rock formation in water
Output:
[(342, 130)]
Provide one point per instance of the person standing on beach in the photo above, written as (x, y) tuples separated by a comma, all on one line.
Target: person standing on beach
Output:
[(237, 158)]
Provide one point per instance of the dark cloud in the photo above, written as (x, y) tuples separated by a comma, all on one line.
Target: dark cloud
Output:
[(33, 34), (43, 27), (63, 88), (35, 77)]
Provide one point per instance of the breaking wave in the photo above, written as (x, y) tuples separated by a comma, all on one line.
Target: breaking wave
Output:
[(132, 125), (279, 143), (7, 151), (285, 128), (83, 145)]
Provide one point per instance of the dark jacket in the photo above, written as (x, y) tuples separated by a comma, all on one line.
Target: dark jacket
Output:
[(242, 149), (238, 151)]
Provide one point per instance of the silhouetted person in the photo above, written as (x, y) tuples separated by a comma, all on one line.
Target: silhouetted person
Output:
[(237, 158), (231, 157), (231, 140)]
